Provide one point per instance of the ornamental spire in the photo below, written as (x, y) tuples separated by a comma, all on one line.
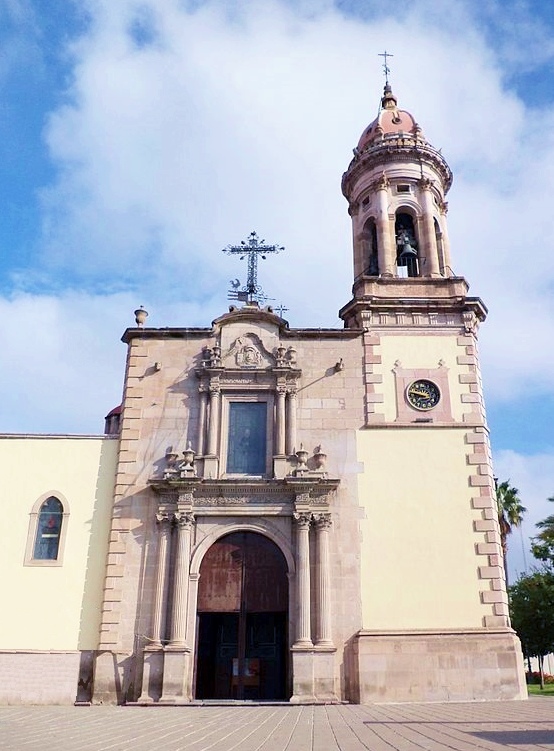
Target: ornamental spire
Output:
[(253, 247), (388, 100)]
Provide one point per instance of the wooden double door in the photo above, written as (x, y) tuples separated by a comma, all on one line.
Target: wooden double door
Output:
[(242, 620)]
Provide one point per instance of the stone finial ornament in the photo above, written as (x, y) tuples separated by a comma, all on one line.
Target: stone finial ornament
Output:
[(140, 316), (320, 458)]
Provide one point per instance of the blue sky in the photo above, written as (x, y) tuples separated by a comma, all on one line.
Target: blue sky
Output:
[(140, 137)]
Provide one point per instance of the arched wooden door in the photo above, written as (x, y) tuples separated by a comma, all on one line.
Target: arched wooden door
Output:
[(242, 620)]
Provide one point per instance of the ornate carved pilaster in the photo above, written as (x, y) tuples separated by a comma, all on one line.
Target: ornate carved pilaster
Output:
[(323, 625), (163, 521), (304, 631), (184, 521), (431, 267), (291, 420), (215, 407), (385, 250), (202, 420), (281, 420)]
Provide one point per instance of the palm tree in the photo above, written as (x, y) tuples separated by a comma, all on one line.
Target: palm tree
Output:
[(510, 515), (543, 544)]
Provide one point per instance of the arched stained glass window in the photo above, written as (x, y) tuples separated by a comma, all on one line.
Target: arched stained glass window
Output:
[(49, 527)]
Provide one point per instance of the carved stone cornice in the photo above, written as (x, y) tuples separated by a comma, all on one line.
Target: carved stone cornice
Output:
[(412, 302), (184, 495), (260, 380), (395, 149)]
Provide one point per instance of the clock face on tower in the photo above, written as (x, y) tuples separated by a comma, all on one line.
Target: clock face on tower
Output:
[(423, 394)]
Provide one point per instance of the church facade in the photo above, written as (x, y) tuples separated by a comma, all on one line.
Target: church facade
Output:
[(283, 514)]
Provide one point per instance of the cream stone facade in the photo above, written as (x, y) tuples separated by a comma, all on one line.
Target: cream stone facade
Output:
[(303, 515), (49, 631)]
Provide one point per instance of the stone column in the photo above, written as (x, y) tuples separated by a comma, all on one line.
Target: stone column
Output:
[(323, 625), (213, 429), (303, 626), (443, 208), (281, 421), (201, 447), (291, 422), (429, 244), (163, 520), (386, 253), (184, 520)]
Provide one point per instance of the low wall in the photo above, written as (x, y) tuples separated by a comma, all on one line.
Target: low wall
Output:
[(475, 665), (38, 677)]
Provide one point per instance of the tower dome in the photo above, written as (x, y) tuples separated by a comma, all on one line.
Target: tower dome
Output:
[(390, 121)]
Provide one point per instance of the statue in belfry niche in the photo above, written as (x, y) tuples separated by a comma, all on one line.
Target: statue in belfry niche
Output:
[(373, 267)]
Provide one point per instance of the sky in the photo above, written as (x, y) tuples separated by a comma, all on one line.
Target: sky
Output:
[(138, 138)]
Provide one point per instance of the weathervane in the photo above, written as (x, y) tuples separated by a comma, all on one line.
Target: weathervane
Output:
[(252, 247), (386, 68)]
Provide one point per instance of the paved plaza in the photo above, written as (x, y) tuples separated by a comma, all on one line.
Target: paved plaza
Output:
[(409, 727)]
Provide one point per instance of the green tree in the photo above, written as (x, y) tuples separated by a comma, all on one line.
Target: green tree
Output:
[(510, 515), (532, 614), (543, 544)]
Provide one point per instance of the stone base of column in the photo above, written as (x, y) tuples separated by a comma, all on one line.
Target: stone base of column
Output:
[(152, 675), (111, 679), (211, 466), (313, 675), (177, 688), (281, 467)]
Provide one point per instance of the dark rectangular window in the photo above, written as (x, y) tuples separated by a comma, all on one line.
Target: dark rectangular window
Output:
[(246, 453)]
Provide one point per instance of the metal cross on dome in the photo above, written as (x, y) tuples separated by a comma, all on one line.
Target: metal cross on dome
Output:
[(253, 247), (386, 68)]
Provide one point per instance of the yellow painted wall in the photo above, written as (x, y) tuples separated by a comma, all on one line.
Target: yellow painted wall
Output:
[(420, 352), (419, 568), (55, 607)]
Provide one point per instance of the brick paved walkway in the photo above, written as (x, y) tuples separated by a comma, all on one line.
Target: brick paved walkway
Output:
[(521, 726)]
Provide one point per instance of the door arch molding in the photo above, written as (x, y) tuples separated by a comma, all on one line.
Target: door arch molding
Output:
[(267, 530)]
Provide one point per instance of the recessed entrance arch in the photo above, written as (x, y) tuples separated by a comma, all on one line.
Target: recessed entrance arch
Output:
[(242, 620)]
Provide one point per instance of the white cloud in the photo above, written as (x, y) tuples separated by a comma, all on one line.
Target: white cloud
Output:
[(184, 130), (63, 361)]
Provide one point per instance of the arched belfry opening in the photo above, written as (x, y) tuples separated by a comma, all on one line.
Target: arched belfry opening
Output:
[(242, 620), (369, 242), (407, 256)]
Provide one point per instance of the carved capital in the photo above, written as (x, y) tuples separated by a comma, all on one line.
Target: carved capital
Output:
[(184, 519), (354, 208), (303, 519), (382, 183), (163, 517), (322, 520), (425, 183)]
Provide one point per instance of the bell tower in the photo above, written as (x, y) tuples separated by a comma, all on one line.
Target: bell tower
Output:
[(396, 186), (434, 603)]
